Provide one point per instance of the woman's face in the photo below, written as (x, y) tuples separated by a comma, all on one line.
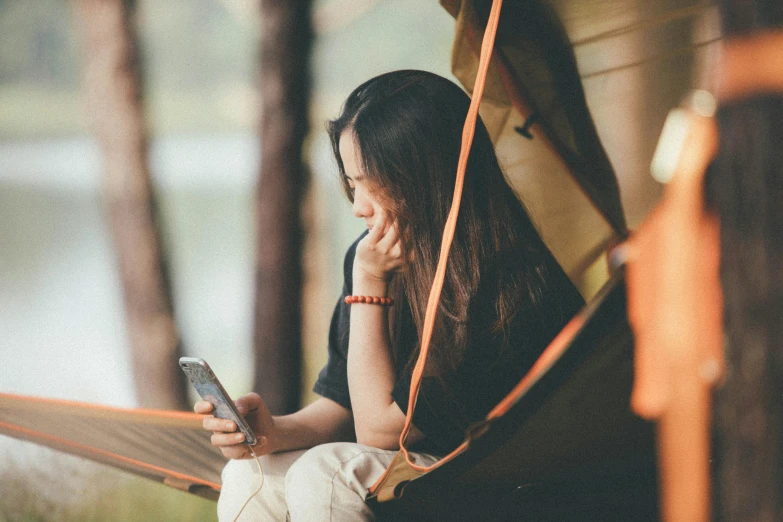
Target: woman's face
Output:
[(366, 206)]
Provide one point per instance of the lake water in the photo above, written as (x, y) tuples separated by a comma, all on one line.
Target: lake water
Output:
[(62, 331), (61, 318)]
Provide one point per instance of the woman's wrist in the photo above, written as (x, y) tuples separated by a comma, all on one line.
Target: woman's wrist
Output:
[(368, 284)]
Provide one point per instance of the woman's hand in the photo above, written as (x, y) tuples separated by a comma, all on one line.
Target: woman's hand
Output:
[(379, 254), (232, 442)]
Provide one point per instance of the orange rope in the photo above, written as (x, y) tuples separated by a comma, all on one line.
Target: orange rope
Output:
[(448, 234), (545, 361), (40, 401)]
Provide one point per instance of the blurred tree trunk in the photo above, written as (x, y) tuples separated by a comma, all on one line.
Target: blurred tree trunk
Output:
[(113, 96), (285, 50)]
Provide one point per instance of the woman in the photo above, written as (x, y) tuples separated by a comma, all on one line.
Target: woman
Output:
[(397, 144)]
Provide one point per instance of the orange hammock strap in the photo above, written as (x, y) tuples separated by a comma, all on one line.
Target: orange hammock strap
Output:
[(451, 223)]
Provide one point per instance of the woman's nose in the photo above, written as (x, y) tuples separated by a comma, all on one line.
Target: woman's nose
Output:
[(362, 207)]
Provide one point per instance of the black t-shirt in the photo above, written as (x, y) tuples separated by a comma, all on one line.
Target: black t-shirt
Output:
[(444, 410)]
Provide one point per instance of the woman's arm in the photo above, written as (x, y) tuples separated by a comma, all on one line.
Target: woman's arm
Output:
[(317, 423), (378, 420)]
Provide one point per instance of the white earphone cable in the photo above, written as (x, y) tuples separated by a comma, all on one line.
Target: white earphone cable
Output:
[(261, 470)]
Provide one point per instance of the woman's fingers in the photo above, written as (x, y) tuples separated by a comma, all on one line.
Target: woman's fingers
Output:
[(389, 240), (227, 439), (235, 452), (396, 250), (391, 247), (379, 254), (377, 230), (202, 407), (225, 436), (216, 424), (385, 222), (248, 403)]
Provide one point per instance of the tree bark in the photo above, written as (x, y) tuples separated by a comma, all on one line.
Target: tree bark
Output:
[(113, 94), (285, 51)]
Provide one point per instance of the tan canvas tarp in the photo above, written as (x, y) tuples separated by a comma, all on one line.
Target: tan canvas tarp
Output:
[(562, 65), (166, 446)]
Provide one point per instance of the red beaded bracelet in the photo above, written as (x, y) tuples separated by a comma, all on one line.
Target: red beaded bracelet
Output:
[(369, 299)]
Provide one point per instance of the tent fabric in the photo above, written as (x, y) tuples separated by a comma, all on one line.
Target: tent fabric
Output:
[(167, 446), (535, 66), (558, 62), (535, 109), (565, 447)]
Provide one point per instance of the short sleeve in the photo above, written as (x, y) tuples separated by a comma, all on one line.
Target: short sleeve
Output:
[(332, 381)]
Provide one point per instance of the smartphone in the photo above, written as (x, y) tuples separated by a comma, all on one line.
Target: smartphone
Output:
[(210, 389)]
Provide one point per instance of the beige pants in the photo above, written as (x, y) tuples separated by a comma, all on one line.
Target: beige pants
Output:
[(325, 483)]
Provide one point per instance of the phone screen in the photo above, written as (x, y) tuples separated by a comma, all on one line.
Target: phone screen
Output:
[(211, 393), (210, 389)]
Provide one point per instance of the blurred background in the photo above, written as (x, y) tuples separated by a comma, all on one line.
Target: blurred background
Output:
[(62, 324), (65, 326)]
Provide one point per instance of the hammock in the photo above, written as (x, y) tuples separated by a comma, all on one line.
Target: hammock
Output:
[(561, 446), (167, 446)]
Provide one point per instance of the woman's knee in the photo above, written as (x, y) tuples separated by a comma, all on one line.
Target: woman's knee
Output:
[(239, 479), (345, 464), (262, 495), (316, 466), (330, 481)]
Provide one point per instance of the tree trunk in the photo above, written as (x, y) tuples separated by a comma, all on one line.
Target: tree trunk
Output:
[(285, 52), (113, 96)]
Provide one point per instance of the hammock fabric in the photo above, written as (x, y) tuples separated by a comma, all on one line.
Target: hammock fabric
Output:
[(167, 446), (564, 445)]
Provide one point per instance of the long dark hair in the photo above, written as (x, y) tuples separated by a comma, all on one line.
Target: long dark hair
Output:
[(407, 126), (744, 186)]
